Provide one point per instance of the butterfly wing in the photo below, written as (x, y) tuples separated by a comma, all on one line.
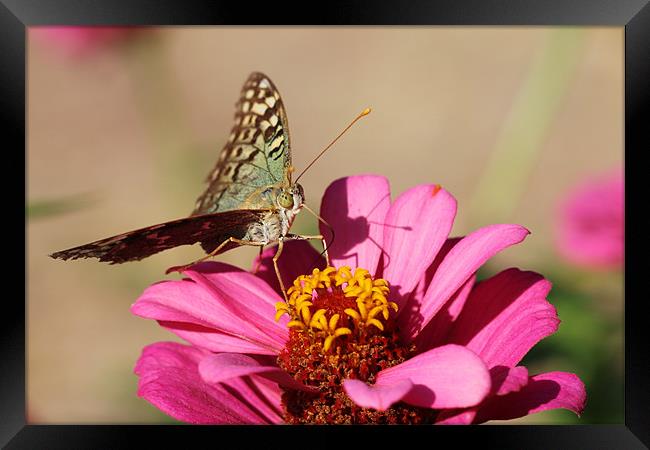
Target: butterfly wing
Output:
[(258, 151), (210, 230)]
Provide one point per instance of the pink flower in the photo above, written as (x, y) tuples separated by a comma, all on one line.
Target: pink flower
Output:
[(82, 41), (590, 225), (410, 339)]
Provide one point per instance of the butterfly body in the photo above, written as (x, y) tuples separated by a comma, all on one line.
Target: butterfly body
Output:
[(274, 221), (250, 198)]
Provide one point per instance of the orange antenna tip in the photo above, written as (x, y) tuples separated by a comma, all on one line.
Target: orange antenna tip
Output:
[(365, 112)]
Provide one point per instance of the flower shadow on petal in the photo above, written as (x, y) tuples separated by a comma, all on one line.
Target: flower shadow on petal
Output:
[(461, 262), (503, 408), (420, 395), (512, 292), (411, 309), (508, 379), (505, 380), (542, 392), (505, 316)]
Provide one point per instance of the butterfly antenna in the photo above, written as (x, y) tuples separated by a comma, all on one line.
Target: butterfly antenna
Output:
[(326, 224), (363, 113)]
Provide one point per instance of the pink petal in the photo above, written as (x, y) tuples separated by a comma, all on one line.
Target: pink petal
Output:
[(222, 367), (356, 208), (377, 397), (456, 416), (169, 379), (461, 262), (213, 340), (417, 226), (189, 308), (545, 391), (297, 258), (261, 395), (504, 381), (508, 379), (435, 332), (590, 224), (249, 298), (445, 377), (505, 316), (222, 298), (427, 276)]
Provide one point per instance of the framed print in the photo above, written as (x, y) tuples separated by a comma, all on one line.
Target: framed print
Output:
[(395, 214)]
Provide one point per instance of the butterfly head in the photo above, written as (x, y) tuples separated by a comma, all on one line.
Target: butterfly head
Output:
[(291, 198)]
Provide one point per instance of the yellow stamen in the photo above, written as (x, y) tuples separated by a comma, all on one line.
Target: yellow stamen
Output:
[(302, 297), (352, 313), (333, 321), (296, 324), (307, 314), (363, 311), (317, 315), (342, 331), (323, 322), (328, 342), (374, 311), (376, 323)]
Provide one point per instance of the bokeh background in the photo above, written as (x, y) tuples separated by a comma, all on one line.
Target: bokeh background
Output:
[(124, 125)]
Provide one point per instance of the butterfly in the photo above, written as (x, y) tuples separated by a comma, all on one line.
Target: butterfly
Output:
[(250, 198)]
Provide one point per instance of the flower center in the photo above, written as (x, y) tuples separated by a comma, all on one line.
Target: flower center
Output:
[(341, 326)]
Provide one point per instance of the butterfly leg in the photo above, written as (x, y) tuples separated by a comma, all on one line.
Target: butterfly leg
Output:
[(212, 253), (277, 270), (318, 237)]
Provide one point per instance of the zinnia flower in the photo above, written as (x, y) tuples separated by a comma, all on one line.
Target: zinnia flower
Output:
[(397, 331), (590, 225)]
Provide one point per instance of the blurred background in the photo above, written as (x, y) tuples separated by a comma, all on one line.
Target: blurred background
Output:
[(521, 125)]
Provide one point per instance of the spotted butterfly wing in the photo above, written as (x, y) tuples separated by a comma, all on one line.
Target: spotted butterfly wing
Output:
[(138, 244), (258, 151), (256, 156)]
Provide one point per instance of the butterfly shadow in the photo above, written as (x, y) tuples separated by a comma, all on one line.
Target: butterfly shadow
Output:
[(357, 230)]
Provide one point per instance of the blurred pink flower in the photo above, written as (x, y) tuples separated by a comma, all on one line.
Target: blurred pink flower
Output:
[(430, 345), (82, 41), (590, 222)]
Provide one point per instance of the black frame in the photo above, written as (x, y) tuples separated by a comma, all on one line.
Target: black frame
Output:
[(634, 15)]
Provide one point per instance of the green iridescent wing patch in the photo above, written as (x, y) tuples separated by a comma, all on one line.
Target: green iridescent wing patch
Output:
[(257, 154)]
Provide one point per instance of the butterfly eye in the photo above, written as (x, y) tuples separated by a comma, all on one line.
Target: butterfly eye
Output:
[(285, 200)]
